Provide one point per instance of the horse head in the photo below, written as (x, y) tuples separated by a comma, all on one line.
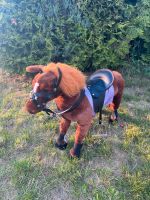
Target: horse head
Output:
[(45, 87)]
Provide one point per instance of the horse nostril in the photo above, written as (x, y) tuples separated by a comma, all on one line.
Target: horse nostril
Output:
[(32, 112)]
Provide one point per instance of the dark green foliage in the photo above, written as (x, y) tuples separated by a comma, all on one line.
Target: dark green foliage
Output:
[(89, 34)]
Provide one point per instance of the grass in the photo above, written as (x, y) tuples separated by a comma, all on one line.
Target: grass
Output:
[(115, 160)]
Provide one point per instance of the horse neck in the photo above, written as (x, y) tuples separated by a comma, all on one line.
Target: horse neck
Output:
[(63, 101)]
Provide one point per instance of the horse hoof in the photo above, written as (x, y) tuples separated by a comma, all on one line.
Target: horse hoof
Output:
[(76, 150), (72, 154), (61, 146), (111, 121)]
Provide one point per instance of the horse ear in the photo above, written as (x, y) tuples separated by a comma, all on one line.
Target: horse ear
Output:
[(59, 77), (35, 68)]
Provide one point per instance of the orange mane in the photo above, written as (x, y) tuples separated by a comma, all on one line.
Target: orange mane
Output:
[(72, 80)]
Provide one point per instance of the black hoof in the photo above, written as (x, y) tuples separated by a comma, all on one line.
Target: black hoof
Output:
[(76, 151), (112, 121), (61, 146), (115, 116)]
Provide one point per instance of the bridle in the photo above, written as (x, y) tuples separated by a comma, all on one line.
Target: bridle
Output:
[(34, 97)]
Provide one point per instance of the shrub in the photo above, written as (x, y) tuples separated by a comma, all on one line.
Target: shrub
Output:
[(89, 34)]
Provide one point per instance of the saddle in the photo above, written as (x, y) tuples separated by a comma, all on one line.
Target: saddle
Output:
[(97, 84)]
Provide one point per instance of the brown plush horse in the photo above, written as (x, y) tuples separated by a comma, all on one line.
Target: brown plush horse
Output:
[(66, 85)]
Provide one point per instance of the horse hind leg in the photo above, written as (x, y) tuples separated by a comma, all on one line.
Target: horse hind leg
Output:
[(117, 99), (115, 105)]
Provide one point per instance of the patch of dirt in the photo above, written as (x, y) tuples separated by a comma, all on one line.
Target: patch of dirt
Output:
[(59, 193), (7, 191), (13, 82), (114, 164), (143, 105), (135, 91)]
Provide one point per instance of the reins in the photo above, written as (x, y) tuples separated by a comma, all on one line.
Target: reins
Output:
[(71, 108)]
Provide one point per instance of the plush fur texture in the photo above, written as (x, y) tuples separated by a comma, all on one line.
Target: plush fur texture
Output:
[(72, 82)]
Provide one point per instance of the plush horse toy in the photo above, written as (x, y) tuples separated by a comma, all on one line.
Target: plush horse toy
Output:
[(76, 99)]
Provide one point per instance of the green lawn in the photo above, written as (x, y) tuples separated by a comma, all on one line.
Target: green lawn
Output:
[(115, 159)]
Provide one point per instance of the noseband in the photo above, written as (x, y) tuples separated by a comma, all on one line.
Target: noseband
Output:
[(34, 96)]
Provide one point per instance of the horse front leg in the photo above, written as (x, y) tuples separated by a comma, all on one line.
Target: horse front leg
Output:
[(81, 132), (60, 142)]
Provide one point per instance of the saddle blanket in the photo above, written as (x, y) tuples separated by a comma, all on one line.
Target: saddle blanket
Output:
[(109, 95)]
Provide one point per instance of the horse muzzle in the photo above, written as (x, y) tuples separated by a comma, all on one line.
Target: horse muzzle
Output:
[(33, 108)]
